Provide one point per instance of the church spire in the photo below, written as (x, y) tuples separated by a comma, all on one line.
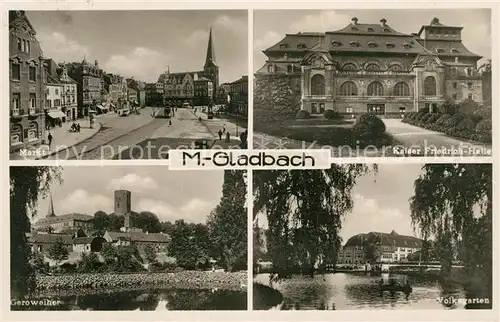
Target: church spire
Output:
[(50, 212), (210, 60)]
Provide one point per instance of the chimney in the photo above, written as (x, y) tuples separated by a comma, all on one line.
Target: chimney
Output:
[(96, 63), (383, 22), (354, 21)]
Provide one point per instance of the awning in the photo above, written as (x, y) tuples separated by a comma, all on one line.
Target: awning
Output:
[(101, 107), (56, 114)]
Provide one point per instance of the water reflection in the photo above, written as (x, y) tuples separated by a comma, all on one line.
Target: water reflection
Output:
[(144, 300), (358, 291)]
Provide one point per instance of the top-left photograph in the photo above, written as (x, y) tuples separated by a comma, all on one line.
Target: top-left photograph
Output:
[(93, 85)]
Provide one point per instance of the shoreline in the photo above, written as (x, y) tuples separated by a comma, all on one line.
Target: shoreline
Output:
[(110, 281)]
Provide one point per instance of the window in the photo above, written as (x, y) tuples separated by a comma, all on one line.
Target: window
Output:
[(321, 107), (290, 68), (19, 44), (372, 67), (439, 50), (454, 50), (469, 85), (49, 103), (336, 43), (23, 45), (430, 85), (349, 66), (28, 47), (16, 71), (32, 74), (455, 96), (354, 44), (395, 68), (470, 97), (354, 29), (16, 101), (370, 29), (283, 45), (387, 30), (401, 89), (349, 110), (390, 45), (318, 85), (348, 89), (32, 100), (455, 85), (372, 45), (402, 109), (375, 89), (57, 91)]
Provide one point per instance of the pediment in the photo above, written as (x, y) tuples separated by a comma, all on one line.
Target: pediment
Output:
[(429, 62), (316, 60)]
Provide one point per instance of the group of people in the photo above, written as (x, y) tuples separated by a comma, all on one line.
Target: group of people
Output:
[(222, 132), (75, 127)]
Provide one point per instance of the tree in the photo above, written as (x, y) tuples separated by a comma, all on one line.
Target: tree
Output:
[(372, 252), (27, 185), (304, 222), (228, 221), (166, 227), (453, 203), (58, 251), (150, 254), (147, 221), (100, 220), (190, 245)]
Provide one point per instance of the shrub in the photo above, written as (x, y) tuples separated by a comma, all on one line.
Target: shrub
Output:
[(453, 121), (302, 114), (332, 115), (369, 124), (442, 119), (484, 127), (449, 108), (434, 117), (425, 118), (483, 113), (467, 125)]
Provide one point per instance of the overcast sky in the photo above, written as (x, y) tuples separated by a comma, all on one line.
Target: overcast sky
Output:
[(170, 195), (270, 26), (380, 202), (143, 43)]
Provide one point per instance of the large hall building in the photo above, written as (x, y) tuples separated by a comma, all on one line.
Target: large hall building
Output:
[(193, 87), (374, 68)]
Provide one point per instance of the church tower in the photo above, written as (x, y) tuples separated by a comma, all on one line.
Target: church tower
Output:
[(211, 69), (50, 211)]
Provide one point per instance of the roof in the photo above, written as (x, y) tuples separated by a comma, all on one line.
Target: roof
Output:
[(243, 79), (73, 216), (139, 236), (18, 15), (392, 239), (449, 48), (299, 42), (38, 238), (210, 58), (202, 79), (51, 80), (83, 240), (435, 23)]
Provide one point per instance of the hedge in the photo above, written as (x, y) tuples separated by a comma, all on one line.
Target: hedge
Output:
[(303, 114)]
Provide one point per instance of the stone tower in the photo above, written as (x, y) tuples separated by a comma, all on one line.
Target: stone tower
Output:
[(123, 206), (210, 68)]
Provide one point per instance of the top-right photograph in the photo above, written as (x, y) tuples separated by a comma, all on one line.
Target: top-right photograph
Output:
[(374, 83)]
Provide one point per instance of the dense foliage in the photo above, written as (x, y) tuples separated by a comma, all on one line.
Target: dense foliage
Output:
[(190, 245), (58, 251), (27, 185)]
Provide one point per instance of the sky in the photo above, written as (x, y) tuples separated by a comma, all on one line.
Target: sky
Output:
[(270, 26), (141, 44), (171, 195), (380, 202)]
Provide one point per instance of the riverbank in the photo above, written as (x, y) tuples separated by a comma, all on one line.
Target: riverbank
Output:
[(186, 280), (265, 297)]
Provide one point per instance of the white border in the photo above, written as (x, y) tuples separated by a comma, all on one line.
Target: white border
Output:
[(416, 315)]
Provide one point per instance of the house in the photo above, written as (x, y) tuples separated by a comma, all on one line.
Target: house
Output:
[(88, 244), (139, 239), (41, 242)]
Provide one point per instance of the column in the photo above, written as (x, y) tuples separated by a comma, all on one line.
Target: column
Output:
[(329, 80)]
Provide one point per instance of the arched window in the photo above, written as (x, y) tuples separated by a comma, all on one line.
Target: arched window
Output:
[(16, 134), (372, 67), (318, 85), (401, 89), (33, 131), (348, 89), (375, 89), (349, 66), (430, 86), (395, 68)]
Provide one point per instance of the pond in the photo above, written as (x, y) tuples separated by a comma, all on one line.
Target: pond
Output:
[(140, 300), (350, 291)]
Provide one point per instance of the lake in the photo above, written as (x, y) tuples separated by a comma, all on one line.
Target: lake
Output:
[(350, 291), (141, 300)]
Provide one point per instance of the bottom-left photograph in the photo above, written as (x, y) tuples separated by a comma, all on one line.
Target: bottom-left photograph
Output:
[(127, 238)]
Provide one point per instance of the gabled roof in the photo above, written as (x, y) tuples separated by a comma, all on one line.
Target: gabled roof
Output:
[(384, 239), (16, 16), (177, 78), (37, 238), (83, 240), (448, 48), (243, 79), (73, 216)]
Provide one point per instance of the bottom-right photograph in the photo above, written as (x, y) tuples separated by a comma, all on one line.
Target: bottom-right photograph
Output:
[(386, 236)]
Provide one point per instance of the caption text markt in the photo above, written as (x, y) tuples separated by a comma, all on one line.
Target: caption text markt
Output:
[(240, 159)]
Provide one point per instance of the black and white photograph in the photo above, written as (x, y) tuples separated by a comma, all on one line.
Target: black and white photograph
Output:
[(92, 85), (127, 239), (374, 237), (376, 83)]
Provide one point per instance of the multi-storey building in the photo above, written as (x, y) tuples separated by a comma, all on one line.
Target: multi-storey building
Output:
[(153, 94), (385, 247), (132, 96), (203, 91), (27, 84), (138, 86), (374, 68), (223, 93), (88, 77), (238, 95), (179, 87), (53, 96), (69, 104)]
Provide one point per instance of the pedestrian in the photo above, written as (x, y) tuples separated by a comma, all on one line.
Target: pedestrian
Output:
[(224, 129), (228, 137), (170, 122), (50, 139), (78, 127), (220, 134)]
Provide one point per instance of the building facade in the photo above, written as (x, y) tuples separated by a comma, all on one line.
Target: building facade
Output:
[(238, 97), (179, 87), (386, 248), (27, 81), (42, 242), (88, 77), (139, 87), (203, 91), (53, 96), (153, 94), (372, 68), (69, 102), (223, 93)]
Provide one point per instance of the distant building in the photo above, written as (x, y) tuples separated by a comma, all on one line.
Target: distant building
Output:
[(139, 239), (56, 224), (41, 242), (88, 76), (203, 91), (223, 93), (88, 244), (132, 96), (27, 84), (139, 87), (53, 95), (69, 104), (153, 94), (238, 93), (386, 247)]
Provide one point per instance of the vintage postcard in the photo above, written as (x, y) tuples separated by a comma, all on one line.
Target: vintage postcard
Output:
[(374, 82), (130, 84), (127, 239)]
